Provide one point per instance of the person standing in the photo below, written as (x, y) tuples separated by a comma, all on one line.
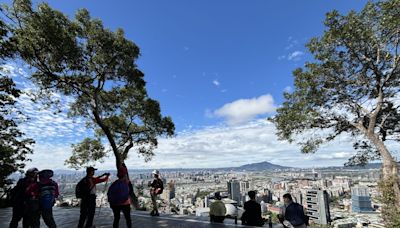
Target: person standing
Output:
[(292, 214), (156, 188), (252, 214), (119, 197), (86, 191), (48, 192), (217, 209), (20, 202)]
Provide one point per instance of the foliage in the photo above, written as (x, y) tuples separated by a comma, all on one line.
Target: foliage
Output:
[(95, 66), (89, 150), (352, 85), (351, 88), (14, 148)]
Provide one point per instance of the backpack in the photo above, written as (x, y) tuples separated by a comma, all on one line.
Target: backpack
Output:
[(118, 192), (295, 214), (82, 189), (46, 194), (17, 193), (158, 186)]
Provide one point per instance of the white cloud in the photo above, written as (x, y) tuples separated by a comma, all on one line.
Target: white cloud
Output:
[(295, 56), (243, 110), (213, 147), (230, 146), (287, 89), (216, 82)]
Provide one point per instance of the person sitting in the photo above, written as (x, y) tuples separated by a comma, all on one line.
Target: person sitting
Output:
[(252, 214), (292, 214), (217, 209)]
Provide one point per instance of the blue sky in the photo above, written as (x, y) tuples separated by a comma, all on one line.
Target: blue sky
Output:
[(218, 68)]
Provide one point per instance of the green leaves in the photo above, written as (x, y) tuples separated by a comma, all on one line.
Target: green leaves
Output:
[(95, 66), (355, 64), (89, 150), (14, 148)]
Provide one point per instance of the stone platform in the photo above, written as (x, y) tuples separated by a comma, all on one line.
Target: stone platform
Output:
[(68, 218)]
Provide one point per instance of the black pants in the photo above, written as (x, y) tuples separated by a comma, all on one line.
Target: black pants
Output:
[(217, 219), (47, 215), (88, 208), (18, 214), (29, 212), (126, 209)]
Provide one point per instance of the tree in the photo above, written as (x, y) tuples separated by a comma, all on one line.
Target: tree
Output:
[(95, 66), (13, 146), (351, 88)]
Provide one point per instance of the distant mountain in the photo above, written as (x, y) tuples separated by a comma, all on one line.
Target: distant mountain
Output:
[(260, 166)]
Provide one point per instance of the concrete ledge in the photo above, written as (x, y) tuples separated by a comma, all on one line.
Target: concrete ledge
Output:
[(69, 217)]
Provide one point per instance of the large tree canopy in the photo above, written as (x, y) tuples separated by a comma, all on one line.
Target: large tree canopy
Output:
[(82, 59), (352, 87), (14, 148)]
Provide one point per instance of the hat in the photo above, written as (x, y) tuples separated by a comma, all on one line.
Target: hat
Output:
[(122, 171), (90, 168), (156, 172), (31, 172), (46, 173)]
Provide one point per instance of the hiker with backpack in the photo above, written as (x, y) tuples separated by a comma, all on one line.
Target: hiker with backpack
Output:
[(23, 208), (119, 197), (48, 192), (292, 214), (86, 191), (156, 188)]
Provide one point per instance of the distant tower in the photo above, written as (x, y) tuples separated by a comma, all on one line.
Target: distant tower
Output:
[(360, 199), (234, 190), (318, 206), (244, 186)]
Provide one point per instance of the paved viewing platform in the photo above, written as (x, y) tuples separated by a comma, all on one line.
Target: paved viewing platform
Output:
[(68, 218)]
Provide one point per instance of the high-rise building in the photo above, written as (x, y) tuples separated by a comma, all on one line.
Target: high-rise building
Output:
[(298, 197), (267, 196), (234, 190), (244, 186), (318, 206), (360, 199)]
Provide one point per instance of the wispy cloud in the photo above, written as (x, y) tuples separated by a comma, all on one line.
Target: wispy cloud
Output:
[(295, 56), (243, 110), (216, 82), (45, 125), (292, 55), (292, 43)]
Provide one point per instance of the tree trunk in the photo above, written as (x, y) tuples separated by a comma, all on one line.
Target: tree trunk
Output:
[(107, 132), (390, 167)]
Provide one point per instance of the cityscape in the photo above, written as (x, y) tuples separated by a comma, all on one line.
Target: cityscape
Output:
[(340, 197)]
